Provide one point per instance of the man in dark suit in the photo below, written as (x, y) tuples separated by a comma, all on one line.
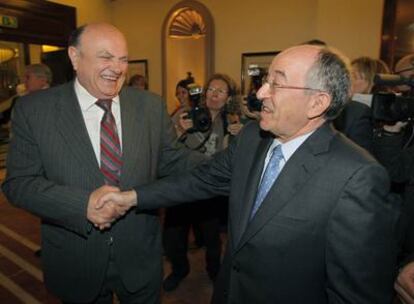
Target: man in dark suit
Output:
[(59, 165), (325, 230)]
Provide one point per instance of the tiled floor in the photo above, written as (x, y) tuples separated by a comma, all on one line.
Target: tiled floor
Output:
[(20, 270)]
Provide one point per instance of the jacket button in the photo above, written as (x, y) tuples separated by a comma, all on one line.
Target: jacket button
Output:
[(236, 268)]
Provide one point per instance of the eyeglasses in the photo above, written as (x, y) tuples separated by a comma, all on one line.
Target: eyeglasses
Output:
[(219, 91), (274, 85)]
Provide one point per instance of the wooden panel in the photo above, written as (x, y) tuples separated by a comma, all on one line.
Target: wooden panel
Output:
[(39, 21)]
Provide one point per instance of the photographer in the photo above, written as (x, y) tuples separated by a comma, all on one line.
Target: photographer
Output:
[(394, 149), (355, 120), (206, 127), (183, 98)]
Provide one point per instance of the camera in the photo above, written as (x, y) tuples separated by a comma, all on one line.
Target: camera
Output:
[(256, 75), (199, 115), (391, 107)]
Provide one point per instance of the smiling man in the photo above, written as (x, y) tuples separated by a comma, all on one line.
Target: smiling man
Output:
[(310, 215), (75, 142)]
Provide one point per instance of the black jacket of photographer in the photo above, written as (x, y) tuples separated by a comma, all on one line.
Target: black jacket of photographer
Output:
[(399, 161)]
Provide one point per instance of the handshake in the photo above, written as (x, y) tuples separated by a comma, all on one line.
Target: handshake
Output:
[(107, 204)]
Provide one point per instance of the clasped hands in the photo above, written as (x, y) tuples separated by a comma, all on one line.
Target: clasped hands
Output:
[(107, 204)]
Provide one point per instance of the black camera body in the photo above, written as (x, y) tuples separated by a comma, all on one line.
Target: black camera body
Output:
[(199, 115), (256, 75), (390, 107)]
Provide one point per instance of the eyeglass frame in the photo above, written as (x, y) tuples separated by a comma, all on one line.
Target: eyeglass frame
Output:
[(274, 85), (219, 91)]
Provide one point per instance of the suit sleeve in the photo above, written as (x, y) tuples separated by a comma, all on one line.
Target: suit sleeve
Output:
[(28, 187), (208, 179), (362, 244)]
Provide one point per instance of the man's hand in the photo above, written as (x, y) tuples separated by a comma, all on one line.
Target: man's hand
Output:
[(404, 285), (122, 201), (102, 215), (395, 128), (234, 128), (185, 123)]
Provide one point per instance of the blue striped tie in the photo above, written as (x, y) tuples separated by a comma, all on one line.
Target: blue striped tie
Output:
[(270, 175)]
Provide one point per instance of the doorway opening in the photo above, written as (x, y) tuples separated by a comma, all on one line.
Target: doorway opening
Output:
[(187, 47)]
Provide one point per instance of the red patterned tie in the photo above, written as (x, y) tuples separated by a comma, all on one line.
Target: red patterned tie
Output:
[(111, 154)]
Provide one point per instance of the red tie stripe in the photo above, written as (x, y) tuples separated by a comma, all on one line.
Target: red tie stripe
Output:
[(111, 154)]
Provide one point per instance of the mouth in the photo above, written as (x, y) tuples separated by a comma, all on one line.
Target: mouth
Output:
[(110, 77)]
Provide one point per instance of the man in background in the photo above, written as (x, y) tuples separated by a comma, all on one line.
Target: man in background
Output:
[(396, 153), (37, 76)]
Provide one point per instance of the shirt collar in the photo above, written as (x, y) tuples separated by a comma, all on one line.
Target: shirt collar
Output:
[(86, 100), (288, 148)]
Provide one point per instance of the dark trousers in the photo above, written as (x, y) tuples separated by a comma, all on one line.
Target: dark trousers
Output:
[(113, 285), (178, 221)]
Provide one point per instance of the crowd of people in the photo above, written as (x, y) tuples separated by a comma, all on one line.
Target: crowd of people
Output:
[(307, 184)]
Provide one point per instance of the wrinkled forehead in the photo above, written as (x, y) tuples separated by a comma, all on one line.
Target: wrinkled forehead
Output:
[(98, 36), (293, 63)]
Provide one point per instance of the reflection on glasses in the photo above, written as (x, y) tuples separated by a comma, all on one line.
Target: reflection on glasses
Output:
[(274, 85), (219, 91)]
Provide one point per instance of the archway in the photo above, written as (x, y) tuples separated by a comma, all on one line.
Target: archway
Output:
[(187, 46)]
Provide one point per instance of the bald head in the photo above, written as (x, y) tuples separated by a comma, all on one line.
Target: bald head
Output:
[(306, 86), (99, 56)]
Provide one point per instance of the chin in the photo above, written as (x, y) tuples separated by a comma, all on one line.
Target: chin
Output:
[(263, 125)]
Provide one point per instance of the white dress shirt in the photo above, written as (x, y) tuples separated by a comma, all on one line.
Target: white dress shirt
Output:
[(92, 115), (288, 148)]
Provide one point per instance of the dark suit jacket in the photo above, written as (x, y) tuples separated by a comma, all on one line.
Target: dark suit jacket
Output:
[(355, 121), (52, 169), (399, 162), (324, 234)]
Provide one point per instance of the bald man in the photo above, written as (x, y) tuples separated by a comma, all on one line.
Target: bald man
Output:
[(75, 142), (310, 215)]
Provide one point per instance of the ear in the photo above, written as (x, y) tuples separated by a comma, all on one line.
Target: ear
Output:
[(318, 104), (73, 54)]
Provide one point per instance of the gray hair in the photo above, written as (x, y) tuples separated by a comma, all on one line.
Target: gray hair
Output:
[(331, 73), (40, 70)]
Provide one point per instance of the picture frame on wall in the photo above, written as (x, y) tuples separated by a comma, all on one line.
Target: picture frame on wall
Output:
[(254, 67), (138, 67)]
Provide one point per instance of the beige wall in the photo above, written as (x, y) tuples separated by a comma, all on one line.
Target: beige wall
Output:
[(90, 10), (354, 26), (192, 50)]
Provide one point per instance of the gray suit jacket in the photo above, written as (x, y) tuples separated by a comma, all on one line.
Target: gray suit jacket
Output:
[(52, 169), (326, 232)]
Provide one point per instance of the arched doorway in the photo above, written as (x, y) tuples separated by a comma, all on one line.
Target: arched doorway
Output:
[(187, 46)]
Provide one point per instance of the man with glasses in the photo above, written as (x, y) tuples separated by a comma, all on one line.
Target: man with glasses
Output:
[(311, 218)]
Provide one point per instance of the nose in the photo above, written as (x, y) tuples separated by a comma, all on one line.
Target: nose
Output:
[(263, 91), (214, 92), (118, 66)]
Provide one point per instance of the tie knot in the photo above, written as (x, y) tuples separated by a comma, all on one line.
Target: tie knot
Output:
[(104, 104), (277, 153)]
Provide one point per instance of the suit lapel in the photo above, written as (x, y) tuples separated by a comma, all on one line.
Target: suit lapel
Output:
[(250, 192), (132, 133), (71, 125), (295, 174)]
